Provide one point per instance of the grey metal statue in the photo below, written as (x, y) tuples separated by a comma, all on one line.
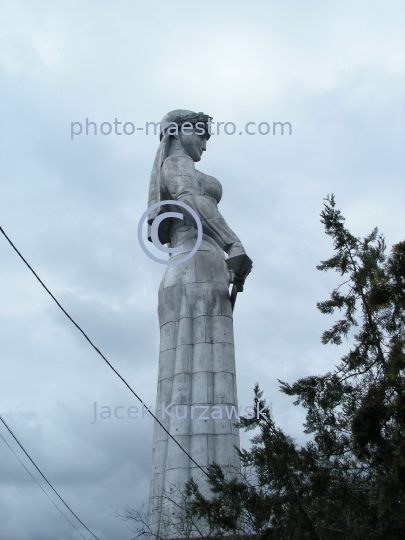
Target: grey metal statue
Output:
[(197, 361)]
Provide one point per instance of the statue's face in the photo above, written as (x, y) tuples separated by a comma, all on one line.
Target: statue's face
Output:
[(193, 144)]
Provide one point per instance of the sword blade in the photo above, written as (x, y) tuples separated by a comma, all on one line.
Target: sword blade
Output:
[(232, 297)]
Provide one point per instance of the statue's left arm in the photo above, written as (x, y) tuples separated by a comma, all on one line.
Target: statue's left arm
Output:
[(182, 185)]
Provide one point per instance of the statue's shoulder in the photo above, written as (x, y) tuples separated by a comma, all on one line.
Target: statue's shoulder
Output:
[(178, 165)]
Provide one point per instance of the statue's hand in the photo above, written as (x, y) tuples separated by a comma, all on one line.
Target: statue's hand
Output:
[(238, 282), (240, 266)]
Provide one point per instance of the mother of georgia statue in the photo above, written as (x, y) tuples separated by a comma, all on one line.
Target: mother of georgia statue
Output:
[(197, 382)]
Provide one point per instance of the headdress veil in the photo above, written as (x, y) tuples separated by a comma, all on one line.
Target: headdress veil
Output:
[(157, 193)]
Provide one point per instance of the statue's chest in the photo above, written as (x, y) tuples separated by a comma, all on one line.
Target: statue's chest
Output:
[(209, 185)]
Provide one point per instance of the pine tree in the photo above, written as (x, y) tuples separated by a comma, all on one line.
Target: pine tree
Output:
[(349, 480)]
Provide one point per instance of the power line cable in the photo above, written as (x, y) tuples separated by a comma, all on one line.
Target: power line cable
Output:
[(43, 476), (39, 485), (100, 353)]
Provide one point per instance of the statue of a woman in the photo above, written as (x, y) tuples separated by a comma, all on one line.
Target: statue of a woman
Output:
[(196, 361)]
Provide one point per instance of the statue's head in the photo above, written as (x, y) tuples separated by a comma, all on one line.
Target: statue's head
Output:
[(189, 129)]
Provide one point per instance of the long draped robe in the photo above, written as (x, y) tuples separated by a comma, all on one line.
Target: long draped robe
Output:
[(196, 359)]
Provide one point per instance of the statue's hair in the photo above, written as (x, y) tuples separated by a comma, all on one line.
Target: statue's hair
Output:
[(181, 116)]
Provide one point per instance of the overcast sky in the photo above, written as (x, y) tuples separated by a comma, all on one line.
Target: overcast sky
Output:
[(334, 70)]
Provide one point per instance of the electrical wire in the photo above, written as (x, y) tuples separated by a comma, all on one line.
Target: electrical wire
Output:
[(39, 485), (100, 353), (43, 476)]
